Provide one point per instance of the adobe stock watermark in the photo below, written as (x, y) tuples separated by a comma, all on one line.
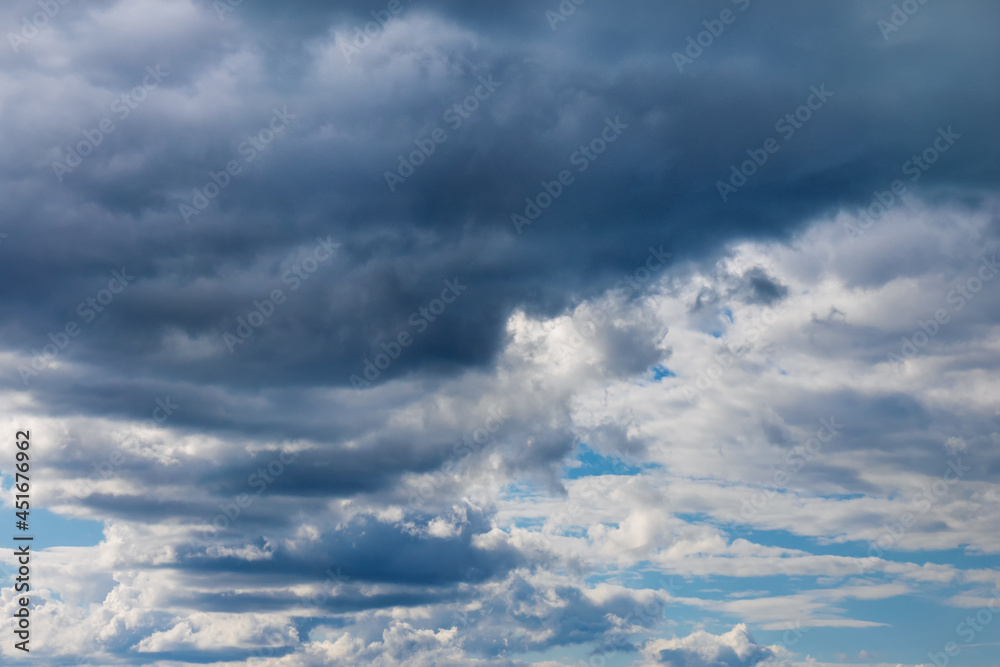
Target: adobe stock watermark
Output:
[(232, 510), (248, 149), (967, 631), (123, 106), (364, 35), (787, 126), (922, 504), (634, 279), (646, 614), (793, 462), (276, 639), (696, 44), (60, 339), (264, 309), (899, 17), (562, 12), (957, 298), (915, 168), (630, 283), (582, 159), (420, 320), (467, 446), (593, 491), (751, 331), (31, 25), (792, 635), (104, 470), (455, 116)]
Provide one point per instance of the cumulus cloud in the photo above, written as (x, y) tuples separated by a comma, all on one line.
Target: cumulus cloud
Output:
[(736, 648)]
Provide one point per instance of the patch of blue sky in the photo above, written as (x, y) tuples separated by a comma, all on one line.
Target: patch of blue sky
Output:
[(528, 522), (915, 626), (54, 530), (659, 372), (589, 463)]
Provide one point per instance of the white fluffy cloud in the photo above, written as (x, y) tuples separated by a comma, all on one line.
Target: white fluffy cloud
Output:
[(736, 648)]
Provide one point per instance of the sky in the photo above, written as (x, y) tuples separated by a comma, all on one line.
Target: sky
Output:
[(554, 333)]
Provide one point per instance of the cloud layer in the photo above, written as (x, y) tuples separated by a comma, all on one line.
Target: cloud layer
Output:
[(513, 335)]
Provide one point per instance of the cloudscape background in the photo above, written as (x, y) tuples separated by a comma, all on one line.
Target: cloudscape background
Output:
[(428, 332)]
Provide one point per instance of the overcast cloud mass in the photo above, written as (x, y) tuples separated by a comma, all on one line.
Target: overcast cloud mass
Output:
[(550, 332)]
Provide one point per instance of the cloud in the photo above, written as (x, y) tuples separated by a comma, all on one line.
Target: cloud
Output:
[(736, 648), (700, 349)]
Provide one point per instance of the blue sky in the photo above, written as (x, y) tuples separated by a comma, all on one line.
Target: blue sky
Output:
[(503, 334)]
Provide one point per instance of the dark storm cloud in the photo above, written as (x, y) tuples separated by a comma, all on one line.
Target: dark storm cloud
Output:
[(452, 217), (686, 129), (341, 603), (763, 289), (369, 550)]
